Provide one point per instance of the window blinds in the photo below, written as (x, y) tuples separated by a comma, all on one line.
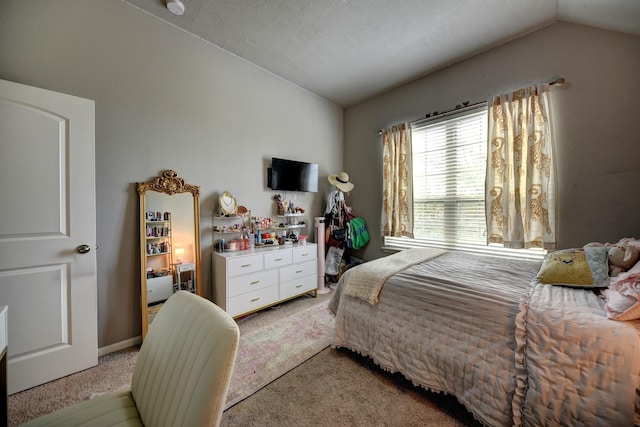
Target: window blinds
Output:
[(449, 166)]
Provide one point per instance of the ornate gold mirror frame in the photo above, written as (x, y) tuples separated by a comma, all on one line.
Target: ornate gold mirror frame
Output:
[(169, 211)]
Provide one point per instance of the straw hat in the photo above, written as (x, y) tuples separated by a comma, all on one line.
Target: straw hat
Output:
[(341, 181)]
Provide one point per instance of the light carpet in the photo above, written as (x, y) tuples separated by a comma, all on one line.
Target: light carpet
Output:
[(264, 354), (273, 350)]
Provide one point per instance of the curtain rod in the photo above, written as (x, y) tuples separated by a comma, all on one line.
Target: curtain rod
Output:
[(559, 81)]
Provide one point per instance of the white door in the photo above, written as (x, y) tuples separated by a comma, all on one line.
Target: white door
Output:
[(47, 221)]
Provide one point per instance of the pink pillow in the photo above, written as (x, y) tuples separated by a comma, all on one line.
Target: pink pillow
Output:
[(620, 306), (631, 276), (623, 296), (630, 241)]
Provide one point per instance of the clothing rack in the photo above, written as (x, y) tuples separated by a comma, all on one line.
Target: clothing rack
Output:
[(559, 81)]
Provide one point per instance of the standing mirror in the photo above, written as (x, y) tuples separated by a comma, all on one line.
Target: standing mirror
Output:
[(169, 242)]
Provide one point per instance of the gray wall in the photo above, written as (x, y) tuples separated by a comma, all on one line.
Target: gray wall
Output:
[(596, 118), (164, 100)]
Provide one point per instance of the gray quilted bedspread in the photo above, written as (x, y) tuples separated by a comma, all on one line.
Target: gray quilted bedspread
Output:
[(575, 367), (449, 325)]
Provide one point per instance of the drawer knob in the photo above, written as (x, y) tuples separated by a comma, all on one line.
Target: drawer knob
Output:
[(278, 259), (245, 265), (298, 286), (255, 282), (298, 271), (255, 299)]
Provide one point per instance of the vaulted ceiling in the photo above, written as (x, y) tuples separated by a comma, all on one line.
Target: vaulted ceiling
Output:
[(350, 50)]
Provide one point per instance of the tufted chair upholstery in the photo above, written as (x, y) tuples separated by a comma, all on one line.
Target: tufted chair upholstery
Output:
[(181, 377)]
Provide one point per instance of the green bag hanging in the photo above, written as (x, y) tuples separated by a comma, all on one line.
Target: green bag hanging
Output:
[(358, 232)]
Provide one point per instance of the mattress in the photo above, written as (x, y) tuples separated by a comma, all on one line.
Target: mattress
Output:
[(458, 324)]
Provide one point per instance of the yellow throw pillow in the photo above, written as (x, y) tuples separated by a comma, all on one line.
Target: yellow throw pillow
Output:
[(583, 267)]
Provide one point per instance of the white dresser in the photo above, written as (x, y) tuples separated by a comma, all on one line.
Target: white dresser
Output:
[(247, 281)]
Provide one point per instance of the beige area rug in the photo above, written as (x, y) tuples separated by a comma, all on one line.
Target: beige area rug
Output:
[(264, 354), (268, 353)]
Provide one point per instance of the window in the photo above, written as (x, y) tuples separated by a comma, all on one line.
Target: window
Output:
[(449, 166), (449, 162)]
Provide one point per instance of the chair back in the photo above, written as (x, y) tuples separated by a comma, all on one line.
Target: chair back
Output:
[(184, 367)]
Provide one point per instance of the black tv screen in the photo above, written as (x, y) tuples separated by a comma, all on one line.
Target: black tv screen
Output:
[(291, 175)]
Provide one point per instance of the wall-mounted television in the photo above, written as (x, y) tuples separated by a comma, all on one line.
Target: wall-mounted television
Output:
[(291, 175)]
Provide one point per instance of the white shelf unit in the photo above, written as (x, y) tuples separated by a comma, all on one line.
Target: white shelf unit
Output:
[(291, 224), (159, 258), (226, 227), (249, 281), (232, 227)]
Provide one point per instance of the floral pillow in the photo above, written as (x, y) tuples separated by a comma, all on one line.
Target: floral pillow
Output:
[(584, 268)]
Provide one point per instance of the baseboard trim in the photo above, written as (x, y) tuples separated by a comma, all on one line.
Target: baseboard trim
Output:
[(111, 348)]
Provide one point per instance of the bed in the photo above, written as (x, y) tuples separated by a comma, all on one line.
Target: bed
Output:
[(512, 350)]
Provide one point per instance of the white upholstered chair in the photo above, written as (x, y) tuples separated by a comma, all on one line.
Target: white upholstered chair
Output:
[(181, 376)]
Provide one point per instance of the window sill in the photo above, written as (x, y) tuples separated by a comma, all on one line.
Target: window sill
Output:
[(393, 245)]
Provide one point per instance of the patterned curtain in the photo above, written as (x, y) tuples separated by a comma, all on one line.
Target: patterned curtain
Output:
[(397, 193), (520, 188)]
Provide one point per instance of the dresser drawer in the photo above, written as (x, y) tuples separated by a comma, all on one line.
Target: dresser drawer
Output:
[(244, 265), (252, 301), (298, 286), (159, 288), (250, 282), (277, 258), (305, 253), (294, 271)]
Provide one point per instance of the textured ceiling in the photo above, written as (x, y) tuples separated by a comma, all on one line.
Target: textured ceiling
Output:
[(350, 50)]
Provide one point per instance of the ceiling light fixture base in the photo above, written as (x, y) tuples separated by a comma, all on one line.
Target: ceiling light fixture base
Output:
[(175, 6)]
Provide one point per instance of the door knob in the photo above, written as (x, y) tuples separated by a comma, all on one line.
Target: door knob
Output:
[(83, 249)]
